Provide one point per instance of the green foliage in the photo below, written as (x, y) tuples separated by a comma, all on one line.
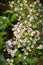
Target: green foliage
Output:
[(13, 17), (28, 33), (4, 23), (2, 42), (41, 60), (2, 60), (32, 61)]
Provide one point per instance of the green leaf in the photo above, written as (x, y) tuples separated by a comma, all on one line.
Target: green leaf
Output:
[(13, 17), (2, 42), (0, 17), (3, 33), (2, 61), (41, 60), (8, 21), (3, 26), (32, 61)]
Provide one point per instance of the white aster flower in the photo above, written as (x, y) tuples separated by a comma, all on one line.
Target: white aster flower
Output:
[(27, 48), (16, 9), (8, 60), (12, 2), (14, 42), (31, 10), (37, 14), (31, 5), (11, 60), (19, 45), (25, 21), (40, 21), (21, 4), (21, 8), (34, 11), (39, 10), (1, 22), (40, 15), (20, 55), (19, 18), (40, 4), (9, 42), (11, 5), (31, 18), (31, 39), (28, 16), (4, 17), (26, 53), (38, 1), (40, 47), (24, 57), (34, 42), (18, 1), (35, 3), (20, 25), (33, 33)]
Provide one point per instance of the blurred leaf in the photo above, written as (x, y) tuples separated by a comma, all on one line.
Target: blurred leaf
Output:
[(3, 33), (4, 23), (3, 26), (39, 53), (41, 60), (8, 11), (2, 61), (13, 17), (0, 17), (1, 41), (32, 61)]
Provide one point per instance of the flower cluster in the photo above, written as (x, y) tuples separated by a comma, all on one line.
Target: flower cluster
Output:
[(27, 40)]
